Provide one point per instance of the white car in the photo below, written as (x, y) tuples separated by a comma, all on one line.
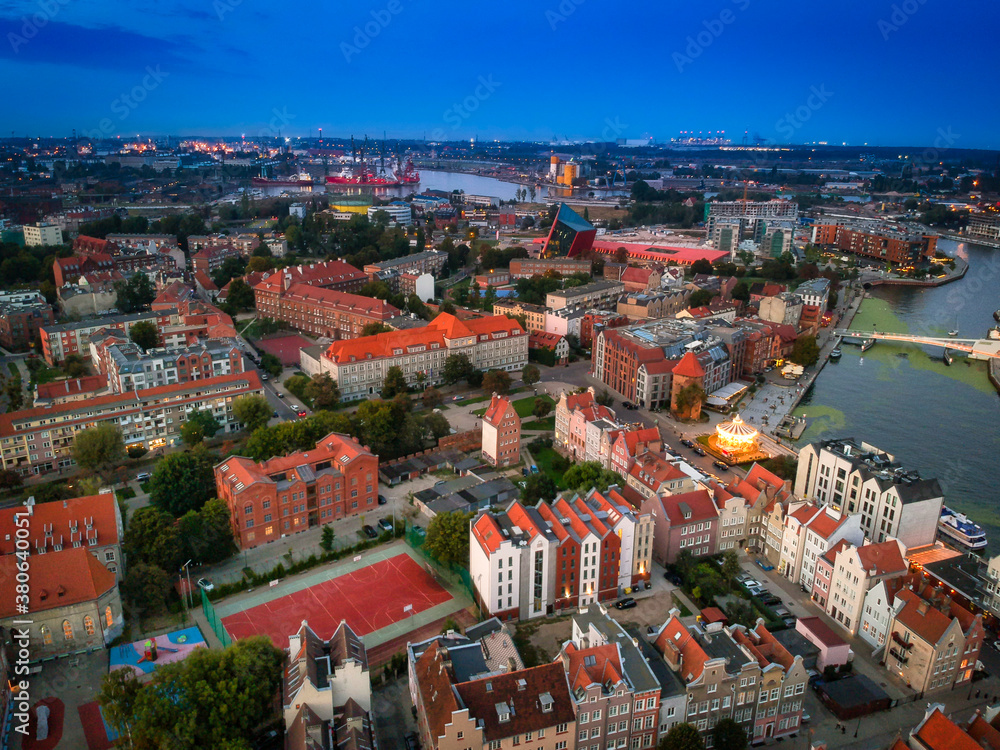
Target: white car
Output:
[(205, 584)]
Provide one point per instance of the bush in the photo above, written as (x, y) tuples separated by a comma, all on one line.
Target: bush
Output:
[(136, 451)]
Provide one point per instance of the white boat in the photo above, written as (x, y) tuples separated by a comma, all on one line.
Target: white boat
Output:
[(953, 333), (961, 530)]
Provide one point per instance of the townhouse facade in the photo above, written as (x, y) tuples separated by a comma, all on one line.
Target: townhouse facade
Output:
[(810, 531), (599, 294), (303, 490), (685, 521), (854, 571), (429, 261), (501, 433), (40, 440), (534, 315), (59, 341)]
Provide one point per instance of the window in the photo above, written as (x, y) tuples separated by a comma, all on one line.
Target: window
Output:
[(67, 630), (46, 636), (108, 618), (88, 624)]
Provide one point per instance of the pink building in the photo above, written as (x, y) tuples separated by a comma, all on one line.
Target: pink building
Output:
[(824, 574), (833, 650), (626, 445), (501, 433), (687, 521)]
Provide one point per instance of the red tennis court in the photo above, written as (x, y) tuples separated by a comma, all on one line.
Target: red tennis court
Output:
[(285, 348), (369, 599)]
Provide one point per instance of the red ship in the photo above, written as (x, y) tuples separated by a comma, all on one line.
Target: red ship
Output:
[(364, 175)]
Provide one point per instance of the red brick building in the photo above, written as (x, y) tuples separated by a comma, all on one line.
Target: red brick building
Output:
[(21, 320), (68, 270), (525, 268), (601, 319), (885, 243), (288, 494), (324, 312), (501, 433)]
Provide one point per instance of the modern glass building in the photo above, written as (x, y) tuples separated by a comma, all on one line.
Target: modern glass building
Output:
[(570, 235)]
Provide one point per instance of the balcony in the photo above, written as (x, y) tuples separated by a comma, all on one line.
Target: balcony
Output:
[(899, 656), (899, 640)]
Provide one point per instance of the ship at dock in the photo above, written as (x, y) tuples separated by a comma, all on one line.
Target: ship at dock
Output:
[(365, 172), (960, 530), (302, 179)]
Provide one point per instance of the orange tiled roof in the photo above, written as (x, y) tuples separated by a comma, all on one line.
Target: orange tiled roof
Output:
[(920, 617), (98, 510), (938, 732), (883, 558), (689, 367), (497, 410), (58, 579)]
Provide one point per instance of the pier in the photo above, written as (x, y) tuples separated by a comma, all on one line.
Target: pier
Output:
[(976, 348)]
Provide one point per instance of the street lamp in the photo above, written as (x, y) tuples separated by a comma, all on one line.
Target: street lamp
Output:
[(190, 598)]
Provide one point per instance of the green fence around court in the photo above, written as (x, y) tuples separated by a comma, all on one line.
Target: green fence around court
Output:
[(214, 622), (452, 573)]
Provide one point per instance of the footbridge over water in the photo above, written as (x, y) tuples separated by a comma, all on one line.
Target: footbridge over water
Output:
[(976, 348)]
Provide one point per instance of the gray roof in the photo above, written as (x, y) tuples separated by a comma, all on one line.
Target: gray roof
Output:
[(110, 320), (637, 671), (720, 645), (670, 683)]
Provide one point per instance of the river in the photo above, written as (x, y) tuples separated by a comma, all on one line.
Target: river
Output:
[(943, 421)]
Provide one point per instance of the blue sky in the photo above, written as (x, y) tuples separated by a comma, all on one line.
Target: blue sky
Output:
[(885, 73)]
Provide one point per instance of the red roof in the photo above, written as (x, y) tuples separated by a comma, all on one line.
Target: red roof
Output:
[(689, 367), (576, 401), (499, 409), (72, 387), (689, 507), (487, 533), (330, 298), (678, 645), (543, 340), (984, 733), (58, 579), (59, 518), (820, 630), (919, 616), (661, 253), (205, 282), (882, 559), (653, 470), (597, 665), (825, 525), (938, 732)]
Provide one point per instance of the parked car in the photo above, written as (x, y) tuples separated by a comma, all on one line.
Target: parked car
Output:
[(627, 603), (274, 413), (782, 612), (264, 376), (279, 394), (995, 644), (205, 584), (301, 412), (721, 465), (806, 718), (743, 578), (789, 621), (143, 477), (385, 524), (698, 451), (382, 500), (687, 443), (369, 531), (674, 578), (534, 469)]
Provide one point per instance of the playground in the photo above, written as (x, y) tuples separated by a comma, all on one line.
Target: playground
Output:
[(143, 657), (384, 595)]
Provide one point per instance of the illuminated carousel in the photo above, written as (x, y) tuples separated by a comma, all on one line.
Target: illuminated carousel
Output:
[(736, 442)]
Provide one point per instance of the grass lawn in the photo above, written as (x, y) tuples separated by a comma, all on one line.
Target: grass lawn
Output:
[(524, 406), (685, 612), (543, 460), (125, 494), (549, 423), (46, 374), (13, 369), (143, 485)]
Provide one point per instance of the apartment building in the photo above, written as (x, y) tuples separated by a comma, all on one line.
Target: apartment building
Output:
[(616, 693), (782, 682), (653, 474), (621, 447), (59, 341), (811, 530), (580, 424), (288, 494), (322, 312), (429, 261), (72, 389), (359, 366), (933, 642), (685, 521), (852, 572), (855, 477), (501, 433), (534, 315), (210, 259), (879, 240), (599, 294), (635, 530), (783, 309), (327, 691), (42, 234), (983, 226), (652, 305), (815, 292), (22, 317), (525, 268), (333, 274), (40, 440), (129, 368), (879, 606), (492, 711), (761, 491), (594, 321), (93, 522)]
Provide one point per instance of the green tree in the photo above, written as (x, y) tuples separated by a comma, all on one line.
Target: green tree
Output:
[(530, 375), (682, 737), (730, 565), (457, 367), (741, 292), (375, 328), (729, 735), (805, 351), (270, 364), (689, 397), (146, 586), (394, 383), (702, 266), (144, 334), (589, 474), (323, 391), (604, 398), (437, 425), (10, 479), (253, 411), (497, 381), (200, 424), (542, 408), (432, 398), (182, 482), (152, 537), (208, 533), (99, 447), (75, 365), (134, 295), (326, 538), (448, 537), (700, 297), (538, 487), (118, 695), (240, 295), (381, 424)]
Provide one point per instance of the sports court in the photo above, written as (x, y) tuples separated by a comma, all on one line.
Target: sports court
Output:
[(285, 348), (382, 596)]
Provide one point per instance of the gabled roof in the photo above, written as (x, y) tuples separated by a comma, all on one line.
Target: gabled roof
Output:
[(825, 525), (689, 507), (984, 733), (938, 732), (576, 401), (53, 523), (917, 614), (882, 559), (595, 665), (653, 470), (74, 386), (498, 410), (678, 644), (58, 579)]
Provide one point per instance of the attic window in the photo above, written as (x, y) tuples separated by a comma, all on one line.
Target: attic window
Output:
[(522, 685), (503, 712), (547, 703), (489, 687), (589, 661)]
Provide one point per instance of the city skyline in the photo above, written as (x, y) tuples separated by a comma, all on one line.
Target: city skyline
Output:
[(560, 71)]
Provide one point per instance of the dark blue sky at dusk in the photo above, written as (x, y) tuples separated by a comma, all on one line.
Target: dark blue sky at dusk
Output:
[(885, 73)]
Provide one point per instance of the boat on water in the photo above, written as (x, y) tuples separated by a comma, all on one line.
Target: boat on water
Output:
[(302, 179), (953, 332), (960, 530), (867, 344), (836, 353), (996, 316), (365, 172)]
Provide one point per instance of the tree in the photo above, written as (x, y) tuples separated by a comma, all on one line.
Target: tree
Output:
[(497, 381), (432, 398), (729, 735), (682, 737), (323, 391), (99, 447), (152, 537), (240, 295), (118, 695), (741, 292), (457, 367), (75, 365), (146, 587), (700, 297), (200, 424), (134, 295), (208, 533), (252, 411), (270, 364), (538, 487), (530, 375), (702, 265), (690, 398), (542, 408), (182, 482), (144, 334), (326, 538), (604, 398), (448, 538), (375, 328), (394, 383), (9, 479), (730, 565), (437, 425), (805, 351), (589, 474)]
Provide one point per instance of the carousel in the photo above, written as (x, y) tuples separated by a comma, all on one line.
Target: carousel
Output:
[(736, 441)]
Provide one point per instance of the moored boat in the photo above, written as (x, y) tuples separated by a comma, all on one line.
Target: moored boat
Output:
[(836, 353), (961, 530)]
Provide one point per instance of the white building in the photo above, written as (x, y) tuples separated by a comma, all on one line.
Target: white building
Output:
[(399, 213), (297, 210), (810, 531), (41, 234), (815, 292), (855, 571)]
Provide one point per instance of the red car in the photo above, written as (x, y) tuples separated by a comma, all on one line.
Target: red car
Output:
[(301, 412)]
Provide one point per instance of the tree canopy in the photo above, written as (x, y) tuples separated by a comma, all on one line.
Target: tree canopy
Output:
[(497, 381), (457, 367), (682, 737), (200, 424), (728, 735), (134, 295), (323, 391), (99, 447), (530, 375), (144, 334), (182, 482), (253, 411), (394, 383), (448, 537), (152, 537), (538, 487), (589, 474), (805, 351)]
